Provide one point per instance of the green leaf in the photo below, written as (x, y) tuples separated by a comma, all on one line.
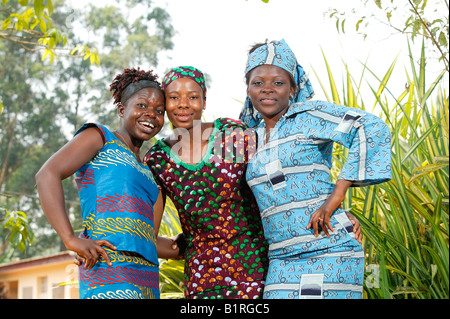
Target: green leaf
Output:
[(50, 7), (42, 25), (6, 23), (39, 8), (358, 23)]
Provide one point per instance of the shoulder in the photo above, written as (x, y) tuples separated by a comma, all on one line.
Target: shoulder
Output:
[(105, 133), (229, 125), (156, 151)]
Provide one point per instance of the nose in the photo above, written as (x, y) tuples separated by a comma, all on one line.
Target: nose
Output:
[(183, 102), (267, 88), (150, 112)]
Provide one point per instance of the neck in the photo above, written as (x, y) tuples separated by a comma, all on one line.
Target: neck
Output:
[(191, 135), (190, 143), (133, 144)]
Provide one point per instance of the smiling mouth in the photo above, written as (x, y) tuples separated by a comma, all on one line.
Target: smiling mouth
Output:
[(183, 117), (149, 125), (267, 101)]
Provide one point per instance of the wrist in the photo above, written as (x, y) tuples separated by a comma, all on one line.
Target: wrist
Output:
[(68, 240), (341, 187)]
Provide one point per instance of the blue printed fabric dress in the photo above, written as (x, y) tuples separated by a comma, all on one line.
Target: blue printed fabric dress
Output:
[(117, 194), (290, 178)]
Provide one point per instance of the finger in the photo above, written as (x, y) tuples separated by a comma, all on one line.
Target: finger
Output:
[(105, 256), (358, 236), (103, 242), (93, 258), (327, 228), (315, 226), (330, 227), (87, 262), (78, 260), (323, 225)]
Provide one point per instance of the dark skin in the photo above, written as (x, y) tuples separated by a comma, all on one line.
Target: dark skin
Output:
[(185, 103), (184, 106), (141, 118), (269, 88)]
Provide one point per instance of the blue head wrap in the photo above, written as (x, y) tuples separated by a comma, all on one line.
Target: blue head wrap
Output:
[(278, 54)]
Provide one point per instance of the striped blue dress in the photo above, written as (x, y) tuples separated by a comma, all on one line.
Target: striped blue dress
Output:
[(290, 178)]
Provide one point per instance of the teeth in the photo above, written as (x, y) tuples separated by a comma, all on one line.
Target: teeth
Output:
[(147, 124)]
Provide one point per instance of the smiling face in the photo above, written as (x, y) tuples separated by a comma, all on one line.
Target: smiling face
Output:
[(184, 102), (142, 117), (269, 89)]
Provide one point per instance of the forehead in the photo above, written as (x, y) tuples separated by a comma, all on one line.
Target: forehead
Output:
[(148, 92), (268, 70), (182, 85)]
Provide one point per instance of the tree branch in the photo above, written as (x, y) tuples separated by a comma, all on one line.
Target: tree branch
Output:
[(431, 35)]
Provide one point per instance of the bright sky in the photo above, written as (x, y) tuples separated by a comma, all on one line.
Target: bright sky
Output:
[(215, 36)]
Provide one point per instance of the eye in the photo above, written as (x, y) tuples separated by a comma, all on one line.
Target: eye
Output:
[(279, 83), (141, 105), (160, 111), (258, 83)]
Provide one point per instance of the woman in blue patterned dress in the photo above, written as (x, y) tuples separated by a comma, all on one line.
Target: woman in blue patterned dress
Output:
[(120, 202), (313, 252)]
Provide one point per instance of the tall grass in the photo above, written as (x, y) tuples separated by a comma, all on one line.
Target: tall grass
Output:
[(405, 222), (171, 272)]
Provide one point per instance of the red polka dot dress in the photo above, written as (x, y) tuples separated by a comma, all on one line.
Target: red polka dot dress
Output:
[(226, 256)]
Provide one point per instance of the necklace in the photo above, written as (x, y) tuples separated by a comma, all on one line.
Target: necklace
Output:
[(124, 141), (138, 157)]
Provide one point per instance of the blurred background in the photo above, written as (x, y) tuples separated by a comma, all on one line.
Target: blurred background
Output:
[(388, 57)]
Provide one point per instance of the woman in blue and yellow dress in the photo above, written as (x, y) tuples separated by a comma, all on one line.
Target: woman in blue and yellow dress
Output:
[(120, 202)]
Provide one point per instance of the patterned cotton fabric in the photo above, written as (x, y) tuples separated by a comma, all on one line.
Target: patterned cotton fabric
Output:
[(117, 194), (290, 178), (335, 273), (185, 72), (226, 253), (279, 54)]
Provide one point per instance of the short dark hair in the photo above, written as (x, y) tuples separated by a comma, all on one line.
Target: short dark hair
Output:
[(121, 81)]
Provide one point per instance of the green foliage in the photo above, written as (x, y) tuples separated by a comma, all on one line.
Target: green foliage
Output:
[(171, 271), (406, 221), (31, 26), (44, 104), (18, 232)]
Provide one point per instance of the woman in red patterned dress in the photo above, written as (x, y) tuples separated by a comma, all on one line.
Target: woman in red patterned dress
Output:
[(201, 167)]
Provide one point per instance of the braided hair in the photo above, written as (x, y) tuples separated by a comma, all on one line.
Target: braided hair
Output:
[(130, 76)]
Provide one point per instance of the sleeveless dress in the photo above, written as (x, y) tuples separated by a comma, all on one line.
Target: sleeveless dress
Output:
[(117, 194), (226, 254)]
